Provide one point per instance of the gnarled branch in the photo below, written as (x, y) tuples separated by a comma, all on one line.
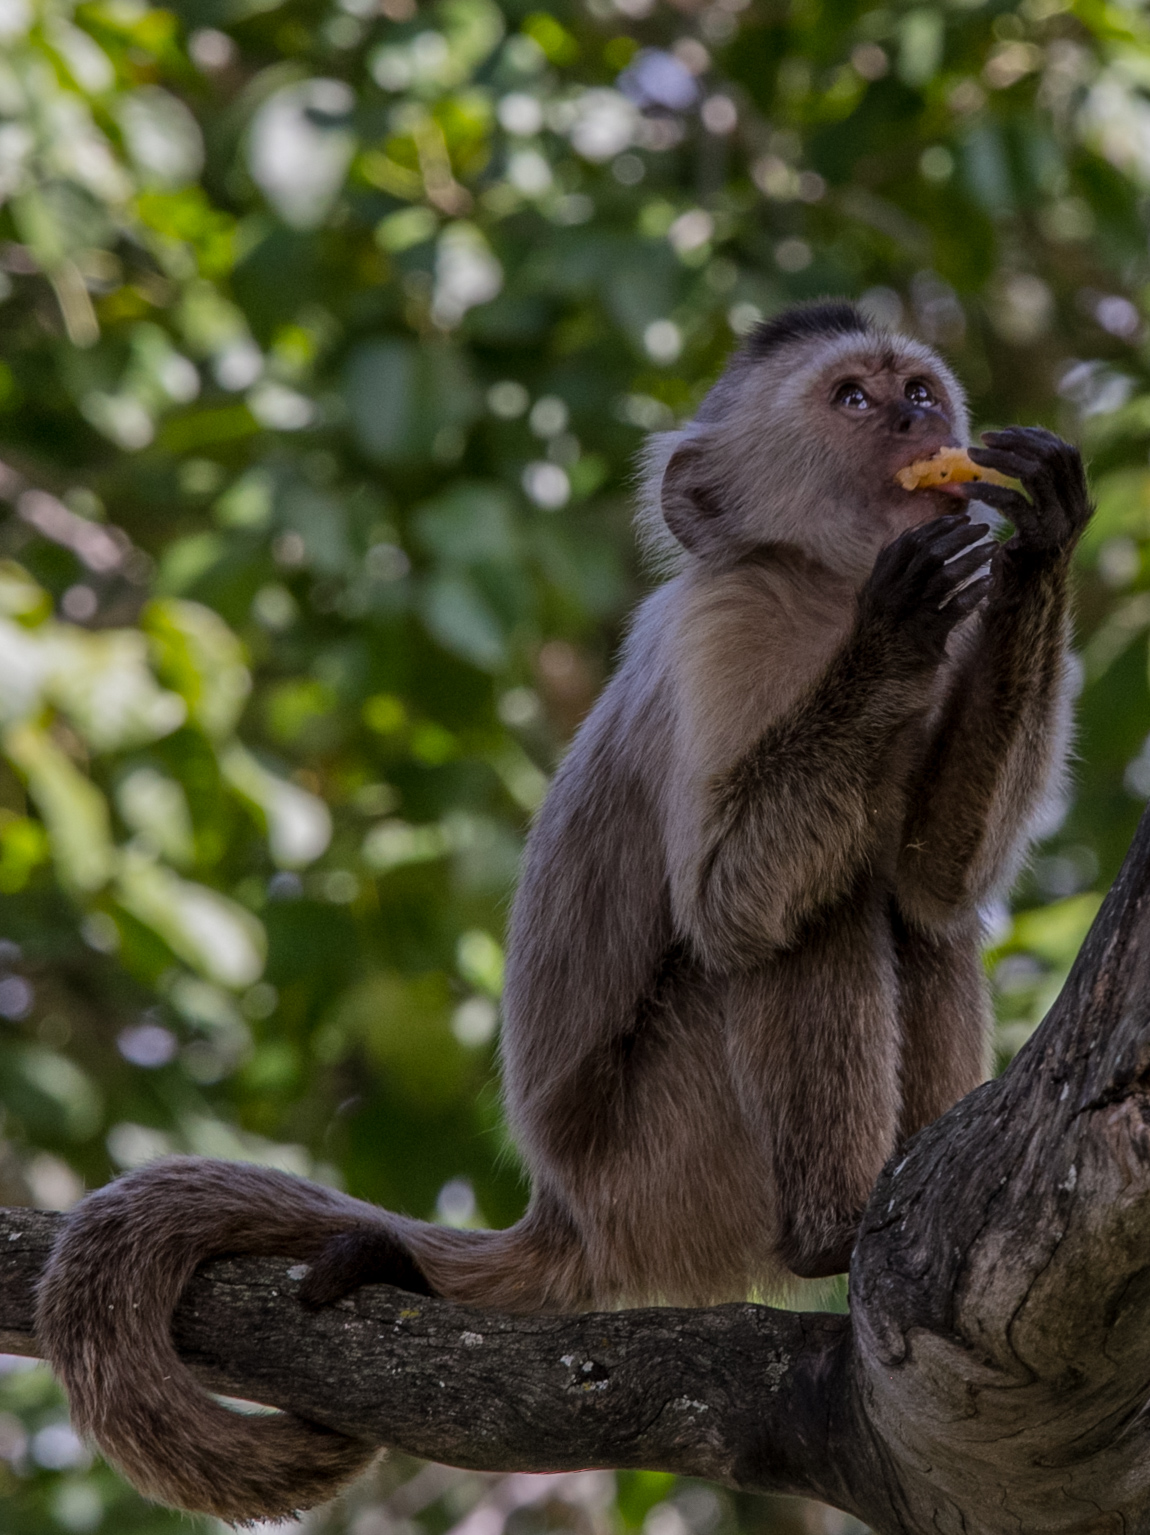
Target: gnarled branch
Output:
[(994, 1373)]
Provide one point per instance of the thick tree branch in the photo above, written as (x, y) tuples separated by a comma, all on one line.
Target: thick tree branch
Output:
[(994, 1374), (689, 1391), (1001, 1287)]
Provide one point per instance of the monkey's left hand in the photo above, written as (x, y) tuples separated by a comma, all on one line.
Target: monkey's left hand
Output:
[(1051, 471)]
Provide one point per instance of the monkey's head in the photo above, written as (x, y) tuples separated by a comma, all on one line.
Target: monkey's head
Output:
[(799, 441)]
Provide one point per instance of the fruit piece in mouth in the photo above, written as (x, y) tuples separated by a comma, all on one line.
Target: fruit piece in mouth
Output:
[(949, 466)]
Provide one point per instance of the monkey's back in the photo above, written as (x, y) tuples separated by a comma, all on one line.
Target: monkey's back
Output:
[(591, 917)]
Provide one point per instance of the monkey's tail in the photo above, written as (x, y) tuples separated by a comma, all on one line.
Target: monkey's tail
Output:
[(105, 1305)]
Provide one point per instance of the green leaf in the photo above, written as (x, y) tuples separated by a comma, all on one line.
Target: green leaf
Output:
[(74, 811), (216, 936), (200, 657), (402, 398), (298, 823), (463, 622)]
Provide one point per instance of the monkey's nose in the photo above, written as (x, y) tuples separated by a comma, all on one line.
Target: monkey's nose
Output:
[(907, 420)]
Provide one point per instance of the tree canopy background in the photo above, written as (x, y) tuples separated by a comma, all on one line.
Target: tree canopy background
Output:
[(328, 335)]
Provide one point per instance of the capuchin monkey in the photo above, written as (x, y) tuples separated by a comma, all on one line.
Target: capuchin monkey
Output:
[(744, 954)]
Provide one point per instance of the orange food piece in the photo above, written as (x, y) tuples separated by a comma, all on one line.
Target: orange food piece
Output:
[(949, 466)]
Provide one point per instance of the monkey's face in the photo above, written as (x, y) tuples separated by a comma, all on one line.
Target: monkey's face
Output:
[(801, 447), (882, 414), (825, 425)]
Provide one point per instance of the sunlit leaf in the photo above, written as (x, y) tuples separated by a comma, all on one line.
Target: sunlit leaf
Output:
[(202, 660), (215, 935), (74, 811), (102, 683), (298, 823), (67, 1093), (156, 808), (1056, 932)]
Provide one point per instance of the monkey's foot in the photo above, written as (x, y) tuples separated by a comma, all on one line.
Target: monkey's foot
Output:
[(362, 1255)]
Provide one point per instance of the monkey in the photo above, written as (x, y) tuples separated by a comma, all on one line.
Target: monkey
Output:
[(743, 963)]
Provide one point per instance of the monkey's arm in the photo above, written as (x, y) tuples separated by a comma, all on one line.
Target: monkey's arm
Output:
[(790, 826), (999, 747)]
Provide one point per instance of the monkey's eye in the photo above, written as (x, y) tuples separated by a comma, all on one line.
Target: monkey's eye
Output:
[(852, 395), (919, 392)]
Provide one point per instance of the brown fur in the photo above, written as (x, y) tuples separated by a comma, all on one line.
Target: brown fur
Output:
[(744, 952)]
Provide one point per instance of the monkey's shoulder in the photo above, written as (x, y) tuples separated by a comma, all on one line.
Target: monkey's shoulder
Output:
[(710, 659)]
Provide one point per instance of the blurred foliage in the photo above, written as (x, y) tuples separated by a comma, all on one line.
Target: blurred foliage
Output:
[(328, 332)]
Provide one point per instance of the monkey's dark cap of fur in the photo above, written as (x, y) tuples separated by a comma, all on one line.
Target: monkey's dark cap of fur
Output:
[(833, 317)]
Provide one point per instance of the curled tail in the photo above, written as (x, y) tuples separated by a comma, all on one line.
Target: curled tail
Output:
[(106, 1300)]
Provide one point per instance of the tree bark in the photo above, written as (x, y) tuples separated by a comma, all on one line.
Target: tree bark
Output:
[(993, 1375)]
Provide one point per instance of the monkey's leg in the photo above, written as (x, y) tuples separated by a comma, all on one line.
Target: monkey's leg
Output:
[(667, 1187), (664, 1194), (815, 1045), (945, 1014)]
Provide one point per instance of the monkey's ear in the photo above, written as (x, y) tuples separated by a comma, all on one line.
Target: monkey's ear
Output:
[(690, 500)]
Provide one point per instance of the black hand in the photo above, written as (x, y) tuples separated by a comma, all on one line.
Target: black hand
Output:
[(927, 581), (1051, 472)]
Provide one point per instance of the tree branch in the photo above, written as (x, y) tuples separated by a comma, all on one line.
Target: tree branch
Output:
[(994, 1373), (691, 1391), (1001, 1285)]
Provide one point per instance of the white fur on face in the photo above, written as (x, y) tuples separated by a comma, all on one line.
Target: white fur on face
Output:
[(784, 470)]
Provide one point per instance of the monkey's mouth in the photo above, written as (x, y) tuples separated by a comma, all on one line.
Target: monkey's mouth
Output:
[(947, 469)]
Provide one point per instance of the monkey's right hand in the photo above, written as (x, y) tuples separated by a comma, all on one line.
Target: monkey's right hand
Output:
[(926, 582)]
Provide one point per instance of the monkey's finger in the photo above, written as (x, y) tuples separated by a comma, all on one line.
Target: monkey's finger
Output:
[(1001, 497), (1019, 466), (943, 559), (1061, 460), (950, 532), (963, 565), (951, 577), (1031, 439), (967, 598), (1045, 479), (946, 536), (1052, 466), (1034, 441), (892, 562), (1034, 524), (906, 552), (1040, 524), (981, 528), (944, 554), (1022, 511)]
